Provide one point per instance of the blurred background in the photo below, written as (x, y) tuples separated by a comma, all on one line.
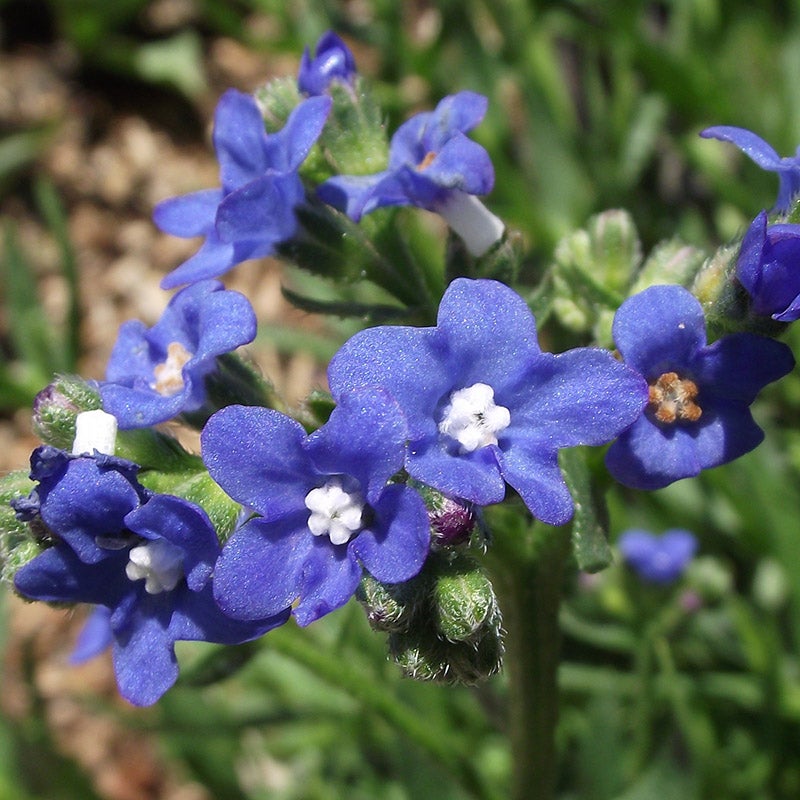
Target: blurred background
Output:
[(686, 691)]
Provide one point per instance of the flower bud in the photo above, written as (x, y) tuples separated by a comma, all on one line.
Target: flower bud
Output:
[(452, 519), (18, 544), (57, 406), (389, 607), (463, 601), (473, 662)]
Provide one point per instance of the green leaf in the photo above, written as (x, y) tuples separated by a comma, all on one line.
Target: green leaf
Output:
[(371, 314), (589, 524)]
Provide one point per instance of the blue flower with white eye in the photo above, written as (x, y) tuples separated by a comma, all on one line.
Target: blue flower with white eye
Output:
[(144, 559), (484, 405), (254, 208), (753, 146), (698, 415), (768, 267), (658, 559), (332, 61), (326, 509), (156, 373)]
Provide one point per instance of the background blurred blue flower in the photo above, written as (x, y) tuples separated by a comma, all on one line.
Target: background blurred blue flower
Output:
[(658, 559), (332, 61)]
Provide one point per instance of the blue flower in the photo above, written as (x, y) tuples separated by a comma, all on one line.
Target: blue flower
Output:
[(698, 414), (253, 210), (484, 405), (157, 373), (761, 153), (430, 159), (324, 504), (658, 559), (146, 559), (332, 61), (769, 268)]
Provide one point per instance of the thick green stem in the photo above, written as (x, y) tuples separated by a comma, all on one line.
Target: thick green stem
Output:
[(527, 568)]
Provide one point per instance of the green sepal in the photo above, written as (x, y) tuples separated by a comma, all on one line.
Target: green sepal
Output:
[(316, 410), (219, 664), (389, 607), (501, 262), (464, 602), (57, 406), (369, 313), (590, 520), (17, 542), (671, 261)]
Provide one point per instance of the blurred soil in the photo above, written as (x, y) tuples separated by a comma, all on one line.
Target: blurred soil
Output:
[(115, 149)]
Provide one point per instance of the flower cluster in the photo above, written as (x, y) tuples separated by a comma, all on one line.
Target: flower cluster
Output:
[(381, 486)]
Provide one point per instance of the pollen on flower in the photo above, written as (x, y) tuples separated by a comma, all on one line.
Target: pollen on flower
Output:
[(430, 157), (672, 398), (159, 563), (336, 510), (169, 374), (473, 419)]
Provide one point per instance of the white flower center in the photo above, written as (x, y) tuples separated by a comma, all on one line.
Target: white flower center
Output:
[(473, 419), (159, 563), (336, 510), (169, 375), (95, 430)]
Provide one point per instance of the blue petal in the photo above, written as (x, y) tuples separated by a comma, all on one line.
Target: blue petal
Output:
[(534, 472), (659, 330), (330, 578), (395, 548), (365, 437), (748, 142), (95, 637), (288, 148), (462, 164), (189, 215), (213, 259), (650, 456), (352, 193), (239, 140), (144, 657), (256, 456), (260, 570)]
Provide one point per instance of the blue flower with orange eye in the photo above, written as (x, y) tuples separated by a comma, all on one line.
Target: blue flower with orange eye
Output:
[(156, 373), (698, 414)]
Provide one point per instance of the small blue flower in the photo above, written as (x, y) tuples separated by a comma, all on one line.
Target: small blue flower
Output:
[(156, 373), (761, 153), (698, 414), (769, 268), (332, 61), (484, 405), (430, 159), (324, 504), (253, 210), (658, 559), (146, 559)]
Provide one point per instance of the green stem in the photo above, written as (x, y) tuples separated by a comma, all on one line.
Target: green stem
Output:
[(527, 568), (439, 744)]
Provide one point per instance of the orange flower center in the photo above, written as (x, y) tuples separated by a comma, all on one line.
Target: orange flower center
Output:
[(672, 398)]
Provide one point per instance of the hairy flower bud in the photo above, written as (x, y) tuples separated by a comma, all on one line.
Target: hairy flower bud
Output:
[(57, 406), (464, 601), (389, 607), (452, 519)]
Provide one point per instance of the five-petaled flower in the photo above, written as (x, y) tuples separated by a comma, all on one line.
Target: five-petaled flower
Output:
[(769, 268), (698, 414), (432, 165), (145, 558), (157, 373), (753, 146), (484, 405), (325, 502), (332, 61), (254, 209), (658, 559)]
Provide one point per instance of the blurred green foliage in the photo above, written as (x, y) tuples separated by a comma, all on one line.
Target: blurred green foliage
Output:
[(593, 105)]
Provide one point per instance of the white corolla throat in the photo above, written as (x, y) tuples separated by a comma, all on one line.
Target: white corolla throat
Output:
[(336, 510), (473, 419), (159, 563)]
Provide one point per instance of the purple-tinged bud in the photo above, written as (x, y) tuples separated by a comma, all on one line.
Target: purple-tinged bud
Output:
[(452, 519), (57, 406), (389, 607)]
